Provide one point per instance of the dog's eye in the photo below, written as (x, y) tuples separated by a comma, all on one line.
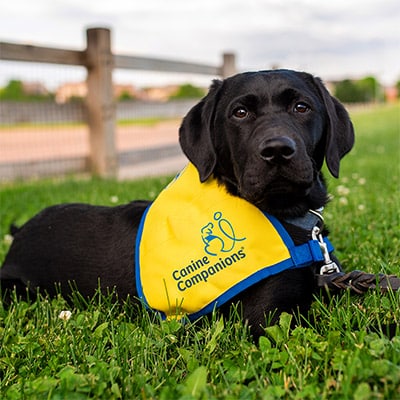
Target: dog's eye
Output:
[(240, 112), (301, 108)]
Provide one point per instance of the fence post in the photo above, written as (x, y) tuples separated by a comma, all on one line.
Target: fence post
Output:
[(228, 65), (100, 102)]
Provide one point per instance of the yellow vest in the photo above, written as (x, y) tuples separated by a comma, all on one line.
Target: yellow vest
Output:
[(198, 246)]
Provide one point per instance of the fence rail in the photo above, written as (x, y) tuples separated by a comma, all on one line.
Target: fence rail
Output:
[(160, 65), (40, 54), (100, 107), (50, 55)]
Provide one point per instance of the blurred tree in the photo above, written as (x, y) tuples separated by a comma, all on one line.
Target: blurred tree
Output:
[(16, 91), (363, 90), (125, 96), (348, 92), (75, 99), (398, 88), (188, 91), (13, 91), (370, 89)]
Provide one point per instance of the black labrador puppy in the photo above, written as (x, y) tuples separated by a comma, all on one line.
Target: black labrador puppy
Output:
[(262, 135)]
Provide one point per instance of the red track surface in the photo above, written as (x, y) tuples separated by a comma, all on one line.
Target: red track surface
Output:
[(44, 143)]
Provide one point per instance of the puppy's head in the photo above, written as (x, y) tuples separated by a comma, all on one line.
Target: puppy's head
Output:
[(265, 135)]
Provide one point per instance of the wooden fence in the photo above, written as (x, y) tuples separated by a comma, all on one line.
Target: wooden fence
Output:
[(99, 61)]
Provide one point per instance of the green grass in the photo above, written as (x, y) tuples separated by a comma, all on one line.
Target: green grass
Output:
[(106, 350)]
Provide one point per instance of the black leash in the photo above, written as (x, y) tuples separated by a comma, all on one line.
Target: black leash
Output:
[(330, 276), (358, 281)]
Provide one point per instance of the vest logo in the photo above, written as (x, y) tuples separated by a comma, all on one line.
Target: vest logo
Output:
[(219, 236)]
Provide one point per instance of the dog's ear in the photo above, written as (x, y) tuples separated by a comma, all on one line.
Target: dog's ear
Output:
[(339, 130), (196, 131)]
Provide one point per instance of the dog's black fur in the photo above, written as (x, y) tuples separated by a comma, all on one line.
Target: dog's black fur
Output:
[(264, 135)]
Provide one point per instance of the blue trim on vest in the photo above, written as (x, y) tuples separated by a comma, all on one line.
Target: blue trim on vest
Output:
[(139, 286), (241, 286), (301, 256)]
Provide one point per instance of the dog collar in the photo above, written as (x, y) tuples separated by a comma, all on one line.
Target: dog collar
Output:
[(308, 221), (199, 246)]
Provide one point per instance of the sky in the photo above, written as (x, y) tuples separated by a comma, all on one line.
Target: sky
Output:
[(332, 39)]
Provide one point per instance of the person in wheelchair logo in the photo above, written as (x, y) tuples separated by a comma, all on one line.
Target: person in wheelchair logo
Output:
[(219, 236)]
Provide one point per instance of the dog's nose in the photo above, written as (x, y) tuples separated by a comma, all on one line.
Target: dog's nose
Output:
[(277, 150)]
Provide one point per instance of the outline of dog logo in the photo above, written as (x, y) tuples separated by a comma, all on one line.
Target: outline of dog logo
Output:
[(219, 236)]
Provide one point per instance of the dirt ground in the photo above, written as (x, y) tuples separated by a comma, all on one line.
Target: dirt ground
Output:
[(42, 143)]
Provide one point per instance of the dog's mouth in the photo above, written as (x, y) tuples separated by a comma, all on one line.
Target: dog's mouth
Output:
[(277, 197), (276, 188), (277, 192), (280, 191), (284, 187)]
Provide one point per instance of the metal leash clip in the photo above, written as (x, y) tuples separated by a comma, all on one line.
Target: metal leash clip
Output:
[(329, 266)]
